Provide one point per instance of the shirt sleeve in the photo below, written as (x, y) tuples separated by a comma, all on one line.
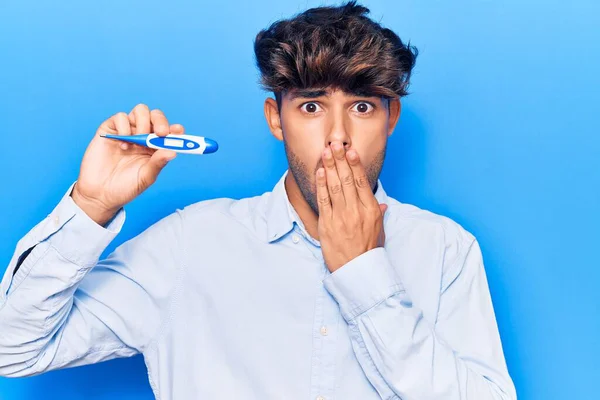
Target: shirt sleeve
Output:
[(404, 356), (62, 307)]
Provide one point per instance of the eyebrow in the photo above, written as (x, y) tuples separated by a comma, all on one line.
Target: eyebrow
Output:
[(307, 93), (312, 94)]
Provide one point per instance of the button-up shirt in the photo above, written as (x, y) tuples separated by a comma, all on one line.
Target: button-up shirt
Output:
[(231, 299)]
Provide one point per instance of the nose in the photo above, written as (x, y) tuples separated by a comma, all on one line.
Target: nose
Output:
[(346, 144), (339, 133)]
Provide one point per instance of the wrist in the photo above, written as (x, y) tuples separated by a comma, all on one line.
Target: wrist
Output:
[(93, 209)]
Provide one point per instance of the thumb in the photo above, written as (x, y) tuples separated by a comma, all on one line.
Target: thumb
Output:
[(159, 159), (383, 208)]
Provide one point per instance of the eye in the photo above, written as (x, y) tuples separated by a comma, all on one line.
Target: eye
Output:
[(363, 107), (310, 107)]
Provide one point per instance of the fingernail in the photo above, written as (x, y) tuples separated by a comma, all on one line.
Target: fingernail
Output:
[(352, 154), (320, 173), (327, 153)]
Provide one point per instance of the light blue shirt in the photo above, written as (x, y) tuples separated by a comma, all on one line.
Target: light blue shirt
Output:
[(231, 299)]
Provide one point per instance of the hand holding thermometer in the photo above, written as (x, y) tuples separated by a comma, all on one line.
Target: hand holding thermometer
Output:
[(189, 144)]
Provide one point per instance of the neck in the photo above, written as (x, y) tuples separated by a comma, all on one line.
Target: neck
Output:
[(305, 212)]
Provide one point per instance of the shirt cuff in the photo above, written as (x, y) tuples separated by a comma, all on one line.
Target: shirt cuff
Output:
[(364, 282), (68, 229)]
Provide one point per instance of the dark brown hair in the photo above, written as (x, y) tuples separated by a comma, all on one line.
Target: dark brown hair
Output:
[(334, 47)]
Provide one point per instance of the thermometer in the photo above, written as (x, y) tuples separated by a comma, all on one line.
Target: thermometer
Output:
[(189, 144)]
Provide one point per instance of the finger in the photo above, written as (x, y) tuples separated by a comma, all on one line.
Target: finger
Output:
[(323, 198), (139, 118), (345, 174), (149, 171), (361, 182), (159, 122), (177, 129), (121, 122), (333, 181), (108, 126)]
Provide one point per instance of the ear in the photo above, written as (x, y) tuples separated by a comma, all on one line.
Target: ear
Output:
[(273, 118), (395, 108)]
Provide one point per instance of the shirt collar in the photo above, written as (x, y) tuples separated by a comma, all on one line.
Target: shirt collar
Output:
[(281, 216)]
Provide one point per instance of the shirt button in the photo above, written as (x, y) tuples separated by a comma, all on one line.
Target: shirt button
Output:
[(324, 331), (320, 398), (56, 220), (295, 239)]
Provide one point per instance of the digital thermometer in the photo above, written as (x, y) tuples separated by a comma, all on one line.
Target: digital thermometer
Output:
[(189, 144)]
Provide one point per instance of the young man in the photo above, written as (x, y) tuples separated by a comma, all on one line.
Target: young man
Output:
[(324, 288)]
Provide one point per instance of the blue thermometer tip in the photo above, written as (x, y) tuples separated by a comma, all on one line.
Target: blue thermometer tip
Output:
[(211, 146), (137, 139)]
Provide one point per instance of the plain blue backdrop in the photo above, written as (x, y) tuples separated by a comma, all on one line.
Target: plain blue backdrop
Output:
[(500, 133)]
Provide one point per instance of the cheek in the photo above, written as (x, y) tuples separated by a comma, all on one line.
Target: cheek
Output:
[(308, 149), (370, 144), (305, 155), (312, 156)]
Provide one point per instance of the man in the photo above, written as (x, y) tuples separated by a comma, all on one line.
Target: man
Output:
[(324, 288)]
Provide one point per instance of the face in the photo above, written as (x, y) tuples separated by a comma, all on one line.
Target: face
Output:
[(309, 121)]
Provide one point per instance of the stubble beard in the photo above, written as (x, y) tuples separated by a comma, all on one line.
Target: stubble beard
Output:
[(305, 177)]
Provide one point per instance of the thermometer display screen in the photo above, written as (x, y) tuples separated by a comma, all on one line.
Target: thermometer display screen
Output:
[(173, 142)]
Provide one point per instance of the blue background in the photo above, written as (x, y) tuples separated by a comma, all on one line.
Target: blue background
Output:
[(500, 133)]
